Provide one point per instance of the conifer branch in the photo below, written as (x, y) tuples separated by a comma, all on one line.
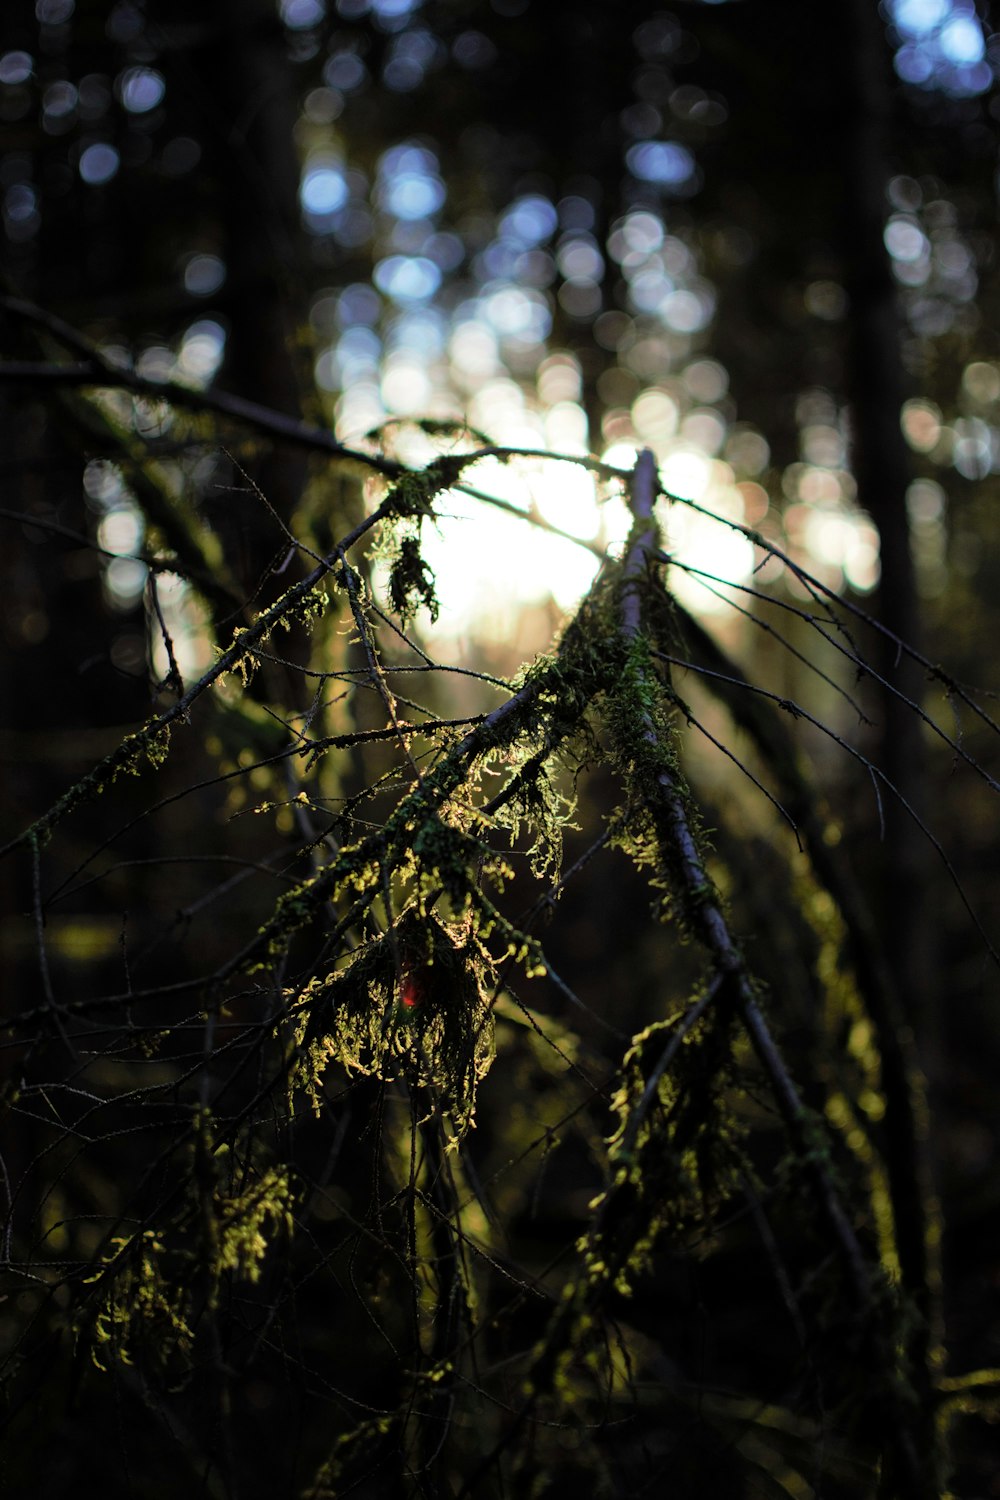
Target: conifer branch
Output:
[(708, 921), (704, 908)]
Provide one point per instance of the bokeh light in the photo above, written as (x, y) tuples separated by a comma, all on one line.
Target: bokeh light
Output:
[(98, 163), (324, 186), (16, 67), (940, 45), (201, 351), (666, 163), (140, 89)]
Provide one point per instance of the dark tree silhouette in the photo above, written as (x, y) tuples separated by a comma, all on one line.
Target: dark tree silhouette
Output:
[(463, 1075)]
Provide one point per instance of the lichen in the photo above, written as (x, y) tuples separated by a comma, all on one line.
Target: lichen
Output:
[(411, 582), (140, 1306), (247, 1222), (414, 1004), (675, 1154)]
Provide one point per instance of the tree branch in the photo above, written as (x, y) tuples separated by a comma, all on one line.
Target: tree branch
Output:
[(708, 919)]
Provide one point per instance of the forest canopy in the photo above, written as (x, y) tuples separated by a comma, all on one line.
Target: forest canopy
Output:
[(499, 549)]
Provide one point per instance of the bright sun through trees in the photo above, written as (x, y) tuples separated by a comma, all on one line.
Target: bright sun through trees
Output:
[(397, 347)]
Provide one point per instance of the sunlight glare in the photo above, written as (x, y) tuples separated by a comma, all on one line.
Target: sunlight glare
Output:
[(489, 565), (686, 473), (566, 497)]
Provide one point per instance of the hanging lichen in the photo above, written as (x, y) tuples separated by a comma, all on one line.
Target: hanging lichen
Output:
[(151, 1291), (414, 1005), (675, 1154), (413, 494), (247, 1221), (139, 1309), (411, 582)]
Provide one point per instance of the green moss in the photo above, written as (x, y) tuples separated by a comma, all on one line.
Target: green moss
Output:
[(431, 837)]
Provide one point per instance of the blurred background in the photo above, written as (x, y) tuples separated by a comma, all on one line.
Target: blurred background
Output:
[(759, 239)]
